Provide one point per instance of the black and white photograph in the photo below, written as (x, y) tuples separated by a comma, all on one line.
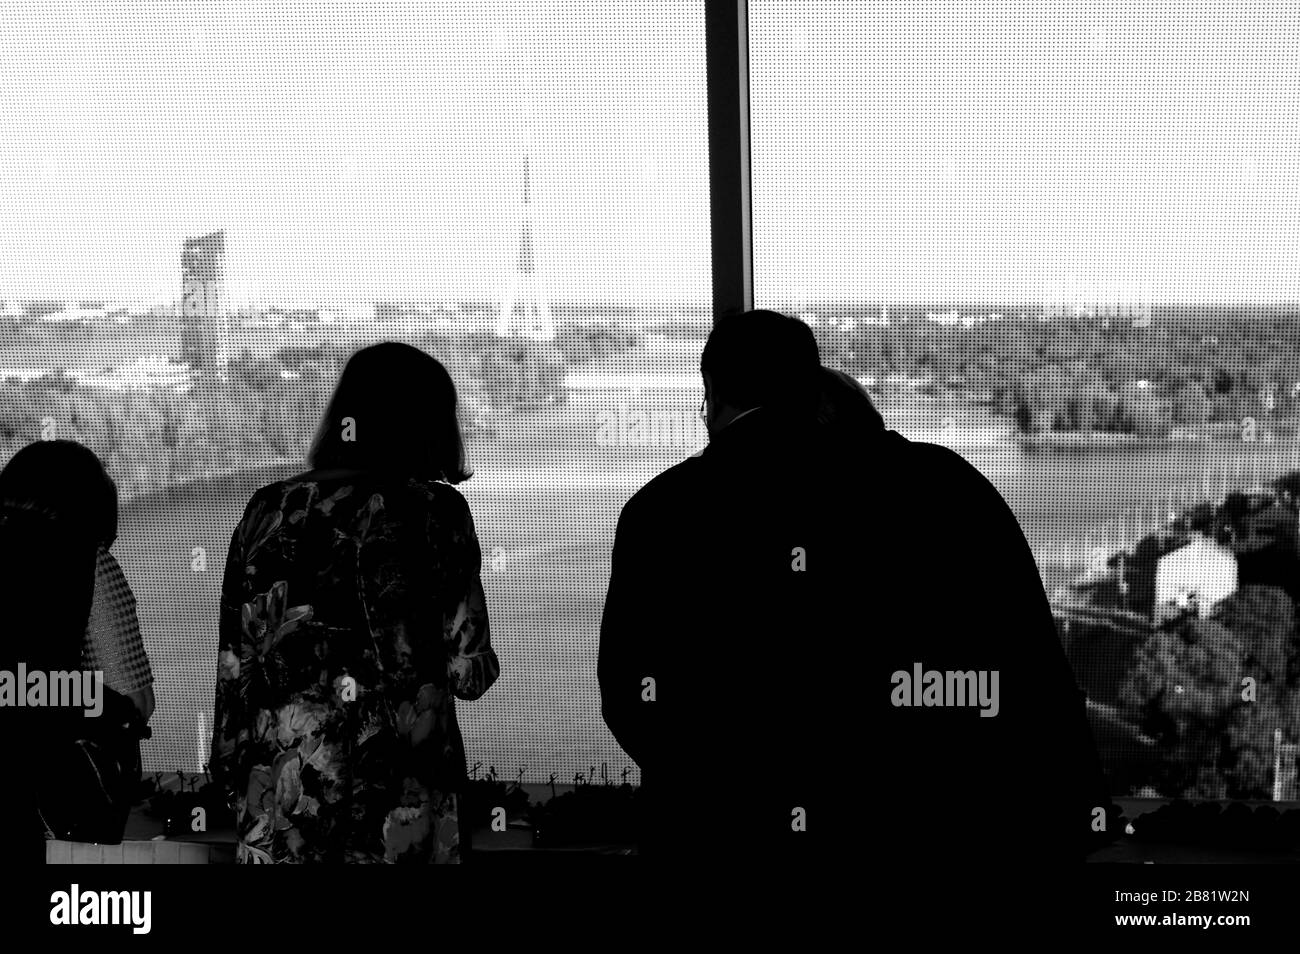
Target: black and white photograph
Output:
[(773, 441)]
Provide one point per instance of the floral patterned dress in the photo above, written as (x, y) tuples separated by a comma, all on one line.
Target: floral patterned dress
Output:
[(352, 618)]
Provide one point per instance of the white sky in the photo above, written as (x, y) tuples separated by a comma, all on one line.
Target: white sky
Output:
[(365, 150)]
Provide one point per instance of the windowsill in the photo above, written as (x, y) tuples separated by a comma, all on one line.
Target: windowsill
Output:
[(144, 842)]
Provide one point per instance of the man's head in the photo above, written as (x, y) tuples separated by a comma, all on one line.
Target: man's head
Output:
[(759, 359)]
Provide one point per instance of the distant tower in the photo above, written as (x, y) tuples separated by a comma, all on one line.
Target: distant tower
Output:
[(525, 294), (205, 322)]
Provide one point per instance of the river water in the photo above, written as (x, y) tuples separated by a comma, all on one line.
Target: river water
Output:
[(546, 497)]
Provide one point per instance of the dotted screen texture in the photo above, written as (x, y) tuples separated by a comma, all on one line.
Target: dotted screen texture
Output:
[(198, 230), (1060, 238)]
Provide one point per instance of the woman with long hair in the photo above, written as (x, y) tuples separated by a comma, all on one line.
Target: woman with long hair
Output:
[(845, 407), (70, 480), (352, 618), (70, 609)]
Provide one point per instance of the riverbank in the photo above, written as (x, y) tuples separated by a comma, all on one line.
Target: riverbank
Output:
[(1273, 433), (282, 465), (1074, 440), (240, 473)]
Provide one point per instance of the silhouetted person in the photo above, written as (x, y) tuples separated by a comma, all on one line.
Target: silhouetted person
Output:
[(845, 409), (1026, 788), (69, 776), (773, 587), (71, 481), (113, 644), (352, 618)]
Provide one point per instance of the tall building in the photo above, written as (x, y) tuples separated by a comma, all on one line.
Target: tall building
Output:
[(524, 309), (205, 319), (1285, 755)]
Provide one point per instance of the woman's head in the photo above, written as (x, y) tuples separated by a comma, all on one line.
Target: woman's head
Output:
[(394, 409), (845, 405), (66, 480)]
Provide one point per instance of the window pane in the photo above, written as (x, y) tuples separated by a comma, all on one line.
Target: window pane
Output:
[(1040, 226), (350, 173)]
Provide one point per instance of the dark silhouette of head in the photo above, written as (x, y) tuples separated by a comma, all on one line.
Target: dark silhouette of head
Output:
[(66, 482), (394, 410), (759, 359), (846, 408)]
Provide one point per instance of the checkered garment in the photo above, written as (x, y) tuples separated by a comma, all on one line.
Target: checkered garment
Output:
[(113, 644)]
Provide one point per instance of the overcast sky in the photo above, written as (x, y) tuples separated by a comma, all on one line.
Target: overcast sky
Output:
[(363, 150)]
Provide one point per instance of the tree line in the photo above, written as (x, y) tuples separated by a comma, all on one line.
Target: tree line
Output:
[(267, 408), (1078, 373)]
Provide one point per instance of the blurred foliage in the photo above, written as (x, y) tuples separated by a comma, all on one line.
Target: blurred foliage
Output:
[(1080, 372), (1187, 690), (268, 408)]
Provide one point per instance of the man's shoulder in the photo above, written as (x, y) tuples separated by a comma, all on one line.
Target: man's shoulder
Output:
[(958, 499), (666, 492), (927, 488), (924, 463)]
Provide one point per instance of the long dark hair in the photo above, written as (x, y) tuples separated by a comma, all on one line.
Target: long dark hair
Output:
[(67, 482), (845, 407), (394, 409)]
